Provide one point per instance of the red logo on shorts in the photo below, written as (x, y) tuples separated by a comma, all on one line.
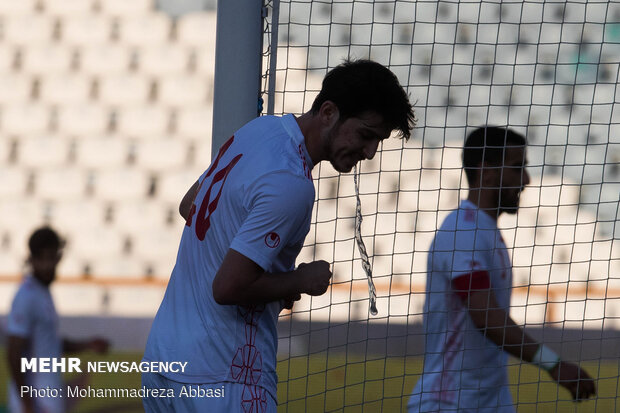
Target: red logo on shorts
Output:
[(272, 240)]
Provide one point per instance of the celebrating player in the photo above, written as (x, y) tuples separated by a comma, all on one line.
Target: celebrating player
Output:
[(32, 329), (247, 217), (469, 331)]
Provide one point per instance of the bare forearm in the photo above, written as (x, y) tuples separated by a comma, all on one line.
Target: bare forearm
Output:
[(266, 287), (14, 355), (243, 282), (497, 325)]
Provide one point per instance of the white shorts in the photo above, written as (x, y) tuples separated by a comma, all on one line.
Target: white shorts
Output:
[(222, 397)]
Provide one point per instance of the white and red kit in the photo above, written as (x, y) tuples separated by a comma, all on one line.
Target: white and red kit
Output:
[(463, 370), (256, 198)]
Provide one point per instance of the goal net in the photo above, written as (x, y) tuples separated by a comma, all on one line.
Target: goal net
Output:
[(547, 69)]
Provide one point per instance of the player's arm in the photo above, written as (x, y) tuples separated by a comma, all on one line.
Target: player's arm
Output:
[(243, 282), (496, 324), (16, 347), (186, 203)]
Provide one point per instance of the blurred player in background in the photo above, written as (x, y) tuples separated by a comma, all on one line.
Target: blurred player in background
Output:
[(247, 217), (469, 331), (32, 329)]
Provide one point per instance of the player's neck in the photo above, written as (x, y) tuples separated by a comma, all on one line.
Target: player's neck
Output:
[(484, 202), (44, 281), (312, 136)]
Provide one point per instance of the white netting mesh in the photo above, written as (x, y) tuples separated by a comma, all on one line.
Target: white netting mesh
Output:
[(546, 69)]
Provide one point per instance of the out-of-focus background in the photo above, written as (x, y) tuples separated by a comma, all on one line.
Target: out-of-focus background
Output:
[(106, 113)]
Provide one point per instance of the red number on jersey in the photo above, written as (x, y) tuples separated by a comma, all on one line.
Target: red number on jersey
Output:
[(208, 206)]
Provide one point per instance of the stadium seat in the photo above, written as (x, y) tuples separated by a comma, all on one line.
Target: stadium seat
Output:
[(163, 59), (137, 215), (14, 181), (46, 59), (26, 119), (20, 213), (7, 59), (150, 29), (161, 155), (157, 244), (65, 89), (16, 237), (124, 90), (178, 91), (43, 152), (121, 184), (7, 150), (108, 152), (10, 265), (173, 185), (201, 155), (73, 215), (68, 8), (61, 183), (16, 89), (113, 59), (120, 267), (70, 267), (83, 120), (95, 243), (195, 122), (197, 30), (122, 8), (143, 122), (40, 30), (78, 299), (9, 8), (205, 61), (134, 301), (86, 31)]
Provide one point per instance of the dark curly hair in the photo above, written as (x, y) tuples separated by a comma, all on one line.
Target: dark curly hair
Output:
[(42, 239), (356, 86), (487, 145)]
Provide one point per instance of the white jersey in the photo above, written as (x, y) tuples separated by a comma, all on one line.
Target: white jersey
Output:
[(256, 198), (463, 370), (33, 316)]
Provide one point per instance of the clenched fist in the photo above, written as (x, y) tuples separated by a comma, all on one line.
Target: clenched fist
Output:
[(314, 277)]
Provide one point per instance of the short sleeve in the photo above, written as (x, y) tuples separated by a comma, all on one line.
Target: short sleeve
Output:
[(470, 252), (280, 207), (21, 318)]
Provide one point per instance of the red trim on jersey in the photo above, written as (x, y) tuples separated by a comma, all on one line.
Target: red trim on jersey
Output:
[(464, 284)]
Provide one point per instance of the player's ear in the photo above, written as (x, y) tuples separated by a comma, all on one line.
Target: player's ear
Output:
[(329, 114)]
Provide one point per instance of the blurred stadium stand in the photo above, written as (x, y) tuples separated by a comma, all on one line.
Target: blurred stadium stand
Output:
[(105, 121)]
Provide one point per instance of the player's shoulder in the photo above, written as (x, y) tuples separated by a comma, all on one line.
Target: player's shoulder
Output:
[(264, 129), (460, 223), (275, 145), (285, 184), (27, 293)]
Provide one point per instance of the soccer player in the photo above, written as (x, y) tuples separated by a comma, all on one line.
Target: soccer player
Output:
[(469, 331), (247, 217), (32, 329)]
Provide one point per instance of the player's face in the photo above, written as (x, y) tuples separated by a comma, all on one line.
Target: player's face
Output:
[(513, 179), (354, 140), (44, 264)]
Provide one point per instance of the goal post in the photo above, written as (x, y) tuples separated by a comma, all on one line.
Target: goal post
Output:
[(238, 67)]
